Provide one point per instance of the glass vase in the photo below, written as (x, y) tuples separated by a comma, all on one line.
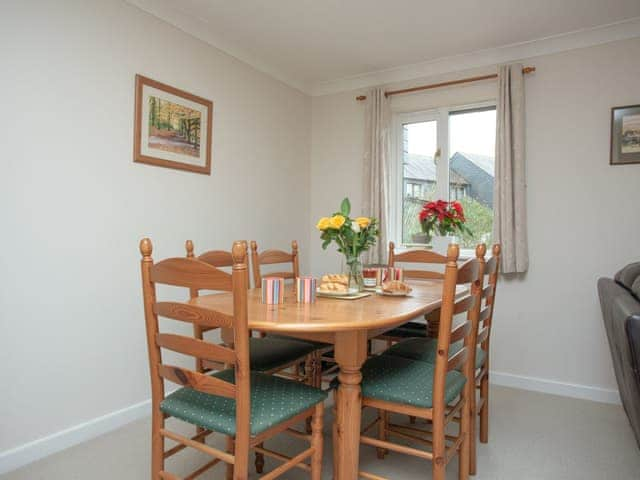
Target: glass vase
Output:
[(354, 271)]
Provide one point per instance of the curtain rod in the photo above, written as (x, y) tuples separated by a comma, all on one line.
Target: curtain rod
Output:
[(525, 70)]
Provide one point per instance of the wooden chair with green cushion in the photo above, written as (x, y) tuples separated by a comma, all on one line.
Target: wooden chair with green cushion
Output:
[(247, 407), (415, 328), (280, 257), (271, 355), (424, 349), (439, 392)]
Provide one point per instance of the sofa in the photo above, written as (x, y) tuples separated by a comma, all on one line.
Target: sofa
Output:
[(620, 303)]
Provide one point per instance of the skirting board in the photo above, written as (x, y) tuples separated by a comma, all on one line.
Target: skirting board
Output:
[(43, 447), (584, 392)]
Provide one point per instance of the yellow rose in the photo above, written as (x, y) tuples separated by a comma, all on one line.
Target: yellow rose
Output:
[(336, 221), (363, 222), (323, 223)]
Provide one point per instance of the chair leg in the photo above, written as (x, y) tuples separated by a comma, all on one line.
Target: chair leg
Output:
[(241, 466), (472, 431), (334, 435), (383, 425), (463, 452), (157, 445), (230, 449), (311, 380), (439, 462), (259, 462), (316, 442), (484, 411)]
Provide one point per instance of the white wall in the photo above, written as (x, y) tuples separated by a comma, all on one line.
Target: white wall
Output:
[(583, 220), (73, 205)]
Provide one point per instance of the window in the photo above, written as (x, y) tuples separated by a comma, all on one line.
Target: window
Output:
[(446, 153)]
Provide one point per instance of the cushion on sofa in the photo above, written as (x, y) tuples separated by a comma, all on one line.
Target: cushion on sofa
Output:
[(635, 288), (629, 277)]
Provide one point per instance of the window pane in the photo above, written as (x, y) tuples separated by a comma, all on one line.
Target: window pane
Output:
[(419, 173), (472, 136)]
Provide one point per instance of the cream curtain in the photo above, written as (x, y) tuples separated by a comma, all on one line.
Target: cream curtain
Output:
[(375, 189), (509, 197)]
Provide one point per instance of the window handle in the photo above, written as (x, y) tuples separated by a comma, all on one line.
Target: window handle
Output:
[(436, 155)]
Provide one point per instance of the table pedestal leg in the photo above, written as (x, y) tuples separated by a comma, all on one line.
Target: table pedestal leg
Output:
[(351, 352)]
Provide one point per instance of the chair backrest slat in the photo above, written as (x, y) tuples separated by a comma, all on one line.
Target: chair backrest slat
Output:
[(269, 257), (460, 331), (190, 273), (492, 263), (457, 359), (485, 313), (464, 304), (196, 348), (483, 334), (487, 291), (274, 257), (192, 314), (198, 381), (217, 258), (468, 271), (422, 274), (417, 256)]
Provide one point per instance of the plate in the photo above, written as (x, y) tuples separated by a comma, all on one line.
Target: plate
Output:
[(343, 293), (392, 294)]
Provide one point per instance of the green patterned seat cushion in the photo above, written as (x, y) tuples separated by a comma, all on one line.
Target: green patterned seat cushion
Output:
[(273, 400), (424, 350), (404, 381), (269, 352)]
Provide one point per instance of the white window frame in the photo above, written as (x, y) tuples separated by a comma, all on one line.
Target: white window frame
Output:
[(441, 116)]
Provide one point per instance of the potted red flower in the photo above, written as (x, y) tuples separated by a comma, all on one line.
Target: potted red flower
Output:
[(443, 218)]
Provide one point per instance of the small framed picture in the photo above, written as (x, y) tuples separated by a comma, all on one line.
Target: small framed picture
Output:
[(172, 128), (625, 135)]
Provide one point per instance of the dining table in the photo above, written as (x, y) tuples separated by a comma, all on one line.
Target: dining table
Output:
[(348, 325)]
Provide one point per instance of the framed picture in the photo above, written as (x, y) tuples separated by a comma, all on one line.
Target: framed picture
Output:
[(172, 127), (625, 135)]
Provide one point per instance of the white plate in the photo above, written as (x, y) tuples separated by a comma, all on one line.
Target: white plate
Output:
[(344, 293), (379, 291)]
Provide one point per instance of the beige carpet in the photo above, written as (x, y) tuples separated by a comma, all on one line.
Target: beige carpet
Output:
[(533, 436)]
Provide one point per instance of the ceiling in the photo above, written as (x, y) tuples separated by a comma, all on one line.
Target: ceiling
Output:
[(308, 43)]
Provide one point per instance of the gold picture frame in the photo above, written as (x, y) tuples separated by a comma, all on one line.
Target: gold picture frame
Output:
[(625, 135), (172, 128)]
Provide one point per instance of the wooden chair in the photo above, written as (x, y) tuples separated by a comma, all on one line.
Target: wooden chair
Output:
[(424, 349), (492, 271), (274, 257), (271, 355), (279, 257), (233, 402), (415, 328), (438, 392)]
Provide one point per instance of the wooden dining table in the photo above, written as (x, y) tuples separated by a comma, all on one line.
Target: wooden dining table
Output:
[(345, 324)]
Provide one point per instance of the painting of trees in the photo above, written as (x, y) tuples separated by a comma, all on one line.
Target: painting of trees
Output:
[(173, 127)]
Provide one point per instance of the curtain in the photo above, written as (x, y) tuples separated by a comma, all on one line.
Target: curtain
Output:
[(375, 191), (509, 200)]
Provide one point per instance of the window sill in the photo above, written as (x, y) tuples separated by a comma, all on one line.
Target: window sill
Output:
[(465, 253)]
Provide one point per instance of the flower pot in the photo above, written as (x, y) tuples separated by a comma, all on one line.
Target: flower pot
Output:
[(441, 243), (421, 237)]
